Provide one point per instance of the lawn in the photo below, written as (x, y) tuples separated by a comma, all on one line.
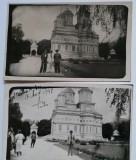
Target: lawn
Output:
[(96, 70)]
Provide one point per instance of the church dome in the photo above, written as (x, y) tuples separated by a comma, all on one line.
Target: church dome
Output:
[(60, 15), (61, 94), (67, 12), (68, 90), (85, 89)]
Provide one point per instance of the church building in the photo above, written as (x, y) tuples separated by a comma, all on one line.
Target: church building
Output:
[(81, 118), (74, 41)]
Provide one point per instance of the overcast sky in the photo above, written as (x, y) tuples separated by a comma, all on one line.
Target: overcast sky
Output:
[(31, 111), (38, 21)]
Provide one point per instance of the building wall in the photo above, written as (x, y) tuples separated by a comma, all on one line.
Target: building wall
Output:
[(85, 127), (73, 43)]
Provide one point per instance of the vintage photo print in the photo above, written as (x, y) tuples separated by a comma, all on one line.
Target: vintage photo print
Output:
[(62, 42), (67, 122)]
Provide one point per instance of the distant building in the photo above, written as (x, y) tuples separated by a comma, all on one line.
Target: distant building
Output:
[(74, 41), (34, 127), (33, 49), (81, 118)]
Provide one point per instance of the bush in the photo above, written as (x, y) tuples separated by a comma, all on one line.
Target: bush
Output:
[(85, 61), (92, 142), (76, 61), (83, 142), (77, 141), (70, 59)]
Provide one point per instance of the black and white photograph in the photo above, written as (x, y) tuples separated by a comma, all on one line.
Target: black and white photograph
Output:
[(69, 42), (67, 122)]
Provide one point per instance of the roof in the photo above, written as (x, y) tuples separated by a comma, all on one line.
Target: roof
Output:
[(68, 90), (60, 15), (61, 94), (34, 125), (68, 12), (112, 52), (85, 89)]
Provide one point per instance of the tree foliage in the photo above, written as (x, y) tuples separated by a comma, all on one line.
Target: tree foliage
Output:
[(107, 130), (26, 128), (104, 50), (108, 17), (120, 98), (124, 130), (17, 32), (44, 127), (18, 45), (44, 45), (15, 116)]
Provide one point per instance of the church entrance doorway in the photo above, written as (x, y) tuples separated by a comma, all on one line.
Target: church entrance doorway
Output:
[(33, 52)]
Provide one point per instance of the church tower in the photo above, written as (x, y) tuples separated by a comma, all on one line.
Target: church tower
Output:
[(70, 96), (85, 99), (61, 100), (68, 17)]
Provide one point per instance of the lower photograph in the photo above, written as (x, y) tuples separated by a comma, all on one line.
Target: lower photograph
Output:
[(63, 121)]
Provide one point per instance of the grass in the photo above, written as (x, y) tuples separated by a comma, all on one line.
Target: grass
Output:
[(96, 70)]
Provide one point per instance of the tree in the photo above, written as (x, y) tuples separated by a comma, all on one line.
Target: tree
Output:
[(124, 130), (104, 50), (109, 17), (26, 46), (120, 98), (17, 32), (107, 130), (15, 116), (44, 45), (44, 127), (26, 128)]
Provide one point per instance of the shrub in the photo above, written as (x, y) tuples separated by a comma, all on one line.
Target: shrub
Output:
[(70, 59), (92, 142), (83, 142), (76, 61), (77, 141), (85, 61)]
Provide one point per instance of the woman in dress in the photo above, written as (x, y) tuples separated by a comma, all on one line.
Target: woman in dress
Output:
[(50, 62), (19, 142)]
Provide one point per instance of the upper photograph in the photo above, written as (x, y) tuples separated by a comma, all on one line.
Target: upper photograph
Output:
[(69, 42)]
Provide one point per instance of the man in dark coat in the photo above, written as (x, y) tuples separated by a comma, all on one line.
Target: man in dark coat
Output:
[(57, 61), (44, 57)]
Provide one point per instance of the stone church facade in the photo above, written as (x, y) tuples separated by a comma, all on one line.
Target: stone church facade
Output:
[(81, 118), (74, 41)]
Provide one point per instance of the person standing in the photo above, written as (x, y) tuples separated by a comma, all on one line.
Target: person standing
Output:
[(13, 139), (19, 140), (9, 145), (57, 61), (44, 57), (70, 142), (33, 139), (50, 62)]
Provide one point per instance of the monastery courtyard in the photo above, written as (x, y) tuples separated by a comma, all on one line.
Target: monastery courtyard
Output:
[(30, 66), (46, 150)]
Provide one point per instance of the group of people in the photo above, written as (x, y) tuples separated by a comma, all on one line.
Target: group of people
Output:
[(50, 63), (16, 141)]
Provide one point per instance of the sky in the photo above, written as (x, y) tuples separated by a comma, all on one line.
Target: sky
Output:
[(30, 109), (38, 21)]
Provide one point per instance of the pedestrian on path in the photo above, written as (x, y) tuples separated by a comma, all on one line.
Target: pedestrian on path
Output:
[(19, 142), (57, 61), (13, 143), (9, 145), (44, 57), (33, 139), (70, 142), (50, 62)]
